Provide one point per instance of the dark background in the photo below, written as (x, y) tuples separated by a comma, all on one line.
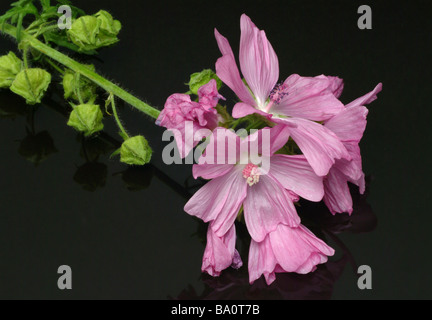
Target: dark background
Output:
[(139, 243)]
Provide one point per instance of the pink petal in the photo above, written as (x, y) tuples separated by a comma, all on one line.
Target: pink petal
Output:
[(351, 168), (267, 205), (295, 174), (367, 98), (308, 98), (241, 110), (298, 249), (261, 261), (349, 124), (223, 148), (219, 252), (337, 194), (227, 71), (320, 146), (279, 136), (336, 86), (210, 171), (258, 61), (219, 200)]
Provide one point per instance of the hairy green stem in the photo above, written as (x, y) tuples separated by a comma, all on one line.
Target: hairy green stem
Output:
[(114, 109), (81, 69)]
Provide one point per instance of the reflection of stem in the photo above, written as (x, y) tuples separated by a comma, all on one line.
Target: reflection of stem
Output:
[(344, 249), (81, 69), (171, 183)]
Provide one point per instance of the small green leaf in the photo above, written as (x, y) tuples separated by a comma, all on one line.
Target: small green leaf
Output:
[(31, 84), (135, 151), (86, 118), (10, 66)]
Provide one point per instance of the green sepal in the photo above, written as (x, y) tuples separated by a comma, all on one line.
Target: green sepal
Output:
[(135, 151), (86, 118), (31, 84), (198, 79), (10, 66)]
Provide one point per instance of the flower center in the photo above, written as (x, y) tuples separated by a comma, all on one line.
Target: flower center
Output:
[(276, 95), (251, 173)]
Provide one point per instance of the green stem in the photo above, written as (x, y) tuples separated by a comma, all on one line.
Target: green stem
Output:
[(25, 57), (52, 64), (117, 119), (77, 88), (83, 70)]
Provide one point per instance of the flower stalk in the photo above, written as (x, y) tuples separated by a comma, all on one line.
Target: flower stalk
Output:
[(80, 69)]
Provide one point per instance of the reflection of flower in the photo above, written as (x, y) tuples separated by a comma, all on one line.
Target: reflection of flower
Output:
[(179, 108)]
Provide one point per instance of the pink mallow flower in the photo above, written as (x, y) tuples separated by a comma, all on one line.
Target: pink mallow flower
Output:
[(349, 126), (220, 252), (286, 249), (179, 110), (266, 194), (300, 102)]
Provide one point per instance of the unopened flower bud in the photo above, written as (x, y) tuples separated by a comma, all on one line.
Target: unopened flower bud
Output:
[(31, 84), (135, 151), (86, 118), (198, 79), (93, 32), (10, 66), (86, 88), (108, 25)]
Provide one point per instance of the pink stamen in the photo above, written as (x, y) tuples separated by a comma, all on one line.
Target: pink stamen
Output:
[(251, 173), (276, 95)]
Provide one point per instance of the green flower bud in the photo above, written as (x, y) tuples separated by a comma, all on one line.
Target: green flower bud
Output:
[(135, 151), (10, 66), (31, 84), (86, 118), (108, 25), (86, 88), (84, 31), (93, 32), (199, 79)]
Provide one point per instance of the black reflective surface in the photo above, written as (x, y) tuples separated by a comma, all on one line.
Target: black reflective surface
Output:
[(123, 230)]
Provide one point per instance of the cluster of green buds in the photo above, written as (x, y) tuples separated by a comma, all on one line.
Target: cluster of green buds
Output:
[(95, 31), (29, 83), (86, 34)]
